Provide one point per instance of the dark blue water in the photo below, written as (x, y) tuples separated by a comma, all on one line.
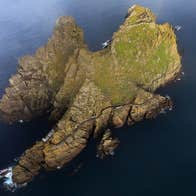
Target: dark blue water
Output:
[(156, 157)]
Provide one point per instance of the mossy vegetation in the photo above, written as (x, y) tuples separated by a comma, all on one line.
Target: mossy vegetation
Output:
[(146, 51), (110, 79), (141, 52)]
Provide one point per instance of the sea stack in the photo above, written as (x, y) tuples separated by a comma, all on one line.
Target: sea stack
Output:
[(86, 92)]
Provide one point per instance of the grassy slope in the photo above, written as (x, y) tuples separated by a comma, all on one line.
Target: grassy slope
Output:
[(141, 51)]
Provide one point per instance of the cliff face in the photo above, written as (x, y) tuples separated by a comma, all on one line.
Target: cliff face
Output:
[(87, 92), (33, 89)]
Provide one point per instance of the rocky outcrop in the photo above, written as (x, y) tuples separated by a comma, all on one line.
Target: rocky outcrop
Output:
[(86, 92), (107, 145), (33, 89)]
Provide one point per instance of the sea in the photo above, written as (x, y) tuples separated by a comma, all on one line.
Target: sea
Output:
[(155, 157)]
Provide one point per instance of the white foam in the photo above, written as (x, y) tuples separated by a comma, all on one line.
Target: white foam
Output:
[(21, 121), (48, 136), (8, 181), (178, 27), (106, 44), (112, 153), (163, 111), (133, 6)]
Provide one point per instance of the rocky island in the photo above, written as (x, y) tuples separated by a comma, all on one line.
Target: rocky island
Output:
[(86, 93)]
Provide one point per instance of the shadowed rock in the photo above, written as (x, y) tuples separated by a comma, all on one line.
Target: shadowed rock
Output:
[(86, 92)]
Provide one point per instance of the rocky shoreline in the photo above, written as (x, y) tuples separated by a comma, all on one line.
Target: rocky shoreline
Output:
[(87, 92)]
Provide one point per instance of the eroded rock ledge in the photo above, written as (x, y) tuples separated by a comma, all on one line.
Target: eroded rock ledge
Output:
[(86, 92)]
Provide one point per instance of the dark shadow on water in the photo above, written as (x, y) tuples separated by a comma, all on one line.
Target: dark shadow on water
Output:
[(17, 137)]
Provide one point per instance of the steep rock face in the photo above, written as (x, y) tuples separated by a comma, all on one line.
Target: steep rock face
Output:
[(87, 92), (107, 145), (32, 90)]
